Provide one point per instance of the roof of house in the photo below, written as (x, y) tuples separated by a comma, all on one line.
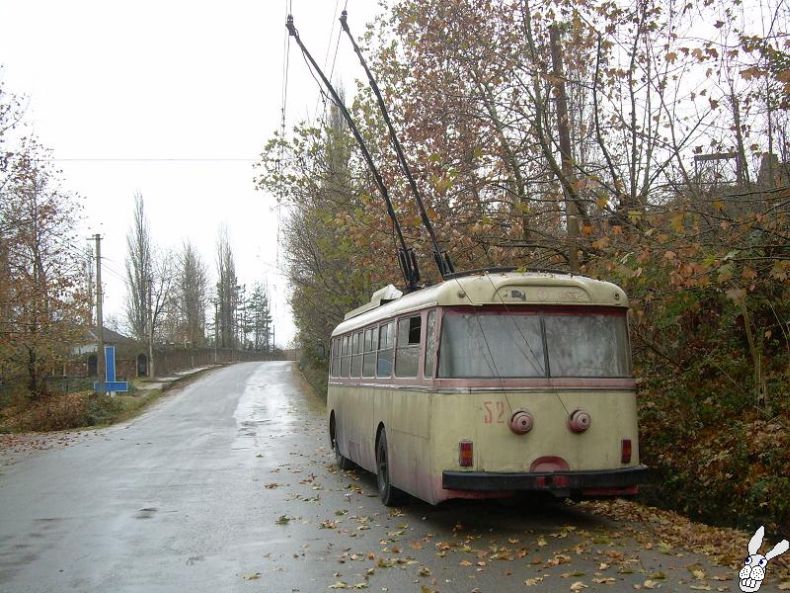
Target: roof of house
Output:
[(110, 336)]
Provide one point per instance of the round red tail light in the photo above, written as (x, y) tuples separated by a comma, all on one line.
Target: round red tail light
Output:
[(521, 422), (579, 420)]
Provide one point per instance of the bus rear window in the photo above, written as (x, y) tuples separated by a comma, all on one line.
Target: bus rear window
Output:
[(587, 345), (491, 345), (511, 345)]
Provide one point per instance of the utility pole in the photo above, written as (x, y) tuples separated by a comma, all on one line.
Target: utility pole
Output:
[(571, 210), (216, 324), (100, 363)]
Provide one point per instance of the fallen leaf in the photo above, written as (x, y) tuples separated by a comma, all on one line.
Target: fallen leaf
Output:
[(698, 574), (559, 559), (578, 586), (251, 577), (533, 582)]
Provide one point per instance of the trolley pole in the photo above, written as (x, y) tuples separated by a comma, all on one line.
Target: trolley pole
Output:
[(100, 363)]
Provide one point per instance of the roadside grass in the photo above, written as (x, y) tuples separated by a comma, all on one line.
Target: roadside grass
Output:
[(83, 409)]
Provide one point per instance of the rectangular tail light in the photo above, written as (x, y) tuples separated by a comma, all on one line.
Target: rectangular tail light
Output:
[(465, 454), (625, 451)]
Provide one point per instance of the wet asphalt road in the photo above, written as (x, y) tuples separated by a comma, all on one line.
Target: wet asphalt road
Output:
[(227, 484)]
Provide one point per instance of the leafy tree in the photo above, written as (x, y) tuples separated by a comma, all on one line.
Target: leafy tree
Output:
[(227, 292), (657, 115), (260, 319), (43, 304), (333, 233)]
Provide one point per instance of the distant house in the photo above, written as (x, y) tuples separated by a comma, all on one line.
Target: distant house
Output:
[(131, 356)]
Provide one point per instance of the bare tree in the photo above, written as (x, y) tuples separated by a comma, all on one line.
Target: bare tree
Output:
[(149, 279), (159, 285)]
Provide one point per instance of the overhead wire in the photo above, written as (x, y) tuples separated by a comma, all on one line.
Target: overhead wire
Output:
[(283, 107), (337, 43), (323, 97)]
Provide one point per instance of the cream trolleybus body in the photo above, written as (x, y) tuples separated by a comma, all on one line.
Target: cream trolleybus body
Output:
[(487, 385)]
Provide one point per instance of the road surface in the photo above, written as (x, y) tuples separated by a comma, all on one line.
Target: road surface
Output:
[(228, 485)]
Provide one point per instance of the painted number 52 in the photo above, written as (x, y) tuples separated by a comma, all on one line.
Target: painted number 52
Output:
[(494, 412)]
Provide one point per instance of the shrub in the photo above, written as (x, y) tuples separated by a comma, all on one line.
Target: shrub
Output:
[(102, 409), (55, 412)]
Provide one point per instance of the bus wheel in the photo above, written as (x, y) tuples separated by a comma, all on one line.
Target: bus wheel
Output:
[(390, 495), (342, 461)]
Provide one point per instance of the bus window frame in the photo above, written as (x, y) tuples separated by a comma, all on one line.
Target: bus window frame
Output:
[(391, 331), (345, 358), (356, 354), (419, 346), (424, 345), (334, 365), (627, 383), (373, 329), (434, 383)]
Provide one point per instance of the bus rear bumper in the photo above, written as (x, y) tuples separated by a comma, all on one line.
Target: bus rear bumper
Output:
[(610, 482)]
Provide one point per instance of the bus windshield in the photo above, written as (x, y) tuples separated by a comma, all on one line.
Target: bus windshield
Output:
[(515, 345)]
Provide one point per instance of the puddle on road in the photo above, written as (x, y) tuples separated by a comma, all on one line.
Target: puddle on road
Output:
[(267, 408), (146, 513)]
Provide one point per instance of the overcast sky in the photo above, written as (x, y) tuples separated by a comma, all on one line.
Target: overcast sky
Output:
[(171, 79)]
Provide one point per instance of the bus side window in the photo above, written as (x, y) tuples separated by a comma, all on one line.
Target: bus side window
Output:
[(386, 346), (430, 344), (407, 355), (369, 356), (336, 357), (356, 353), (345, 362)]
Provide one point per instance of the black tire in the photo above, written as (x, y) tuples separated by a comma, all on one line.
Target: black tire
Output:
[(341, 460), (390, 495)]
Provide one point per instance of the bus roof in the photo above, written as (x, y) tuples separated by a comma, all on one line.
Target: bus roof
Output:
[(498, 288)]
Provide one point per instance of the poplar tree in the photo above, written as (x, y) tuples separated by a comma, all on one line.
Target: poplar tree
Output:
[(139, 270), (227, 291)]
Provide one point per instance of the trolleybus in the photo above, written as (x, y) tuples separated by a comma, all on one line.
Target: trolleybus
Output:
[(486, 385)]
